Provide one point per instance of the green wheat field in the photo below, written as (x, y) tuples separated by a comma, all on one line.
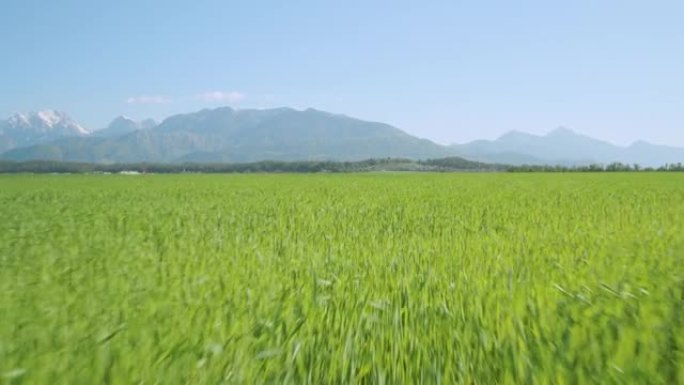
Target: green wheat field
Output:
[(342, 279)]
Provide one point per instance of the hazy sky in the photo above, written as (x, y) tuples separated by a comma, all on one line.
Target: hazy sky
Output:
[(450, 71)]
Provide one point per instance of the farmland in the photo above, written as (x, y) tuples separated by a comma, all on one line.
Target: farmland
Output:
[(372, 278)]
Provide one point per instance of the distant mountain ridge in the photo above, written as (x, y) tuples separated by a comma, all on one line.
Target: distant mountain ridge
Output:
[(229, 135), (563, 146), (123, 125)]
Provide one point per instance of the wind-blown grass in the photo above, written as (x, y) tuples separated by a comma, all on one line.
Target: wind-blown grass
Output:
[(378, 278)]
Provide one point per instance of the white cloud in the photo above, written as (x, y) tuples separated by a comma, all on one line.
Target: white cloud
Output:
[(207, 97), (221, 96), (149, 99)]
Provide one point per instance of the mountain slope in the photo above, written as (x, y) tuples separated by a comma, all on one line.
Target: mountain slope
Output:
[(564, 147), (288, 134), (23, 130), (123, 125)]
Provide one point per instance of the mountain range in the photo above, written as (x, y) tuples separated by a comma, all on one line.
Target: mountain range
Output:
[(563, 146), (229, 135)]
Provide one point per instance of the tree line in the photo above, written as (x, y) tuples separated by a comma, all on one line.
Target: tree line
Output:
[(451, 164), (611, 167)]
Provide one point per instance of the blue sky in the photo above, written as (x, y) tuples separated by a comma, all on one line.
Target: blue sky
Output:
[(450, 71)]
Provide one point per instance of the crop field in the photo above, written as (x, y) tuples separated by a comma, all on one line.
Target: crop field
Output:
[(342, 279)]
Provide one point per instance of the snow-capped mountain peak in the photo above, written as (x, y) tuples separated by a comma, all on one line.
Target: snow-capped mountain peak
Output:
[(49, 120), (45, 120), (19, 119), (50, 117), (25, 129)]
